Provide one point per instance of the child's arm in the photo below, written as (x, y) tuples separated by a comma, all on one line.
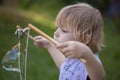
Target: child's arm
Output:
[(94, 68), (74, 49), (57, 56)]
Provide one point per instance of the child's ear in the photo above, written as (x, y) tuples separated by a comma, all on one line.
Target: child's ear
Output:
[(87, 39)]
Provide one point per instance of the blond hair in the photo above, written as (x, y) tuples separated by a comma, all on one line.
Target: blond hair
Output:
[(84, 20)]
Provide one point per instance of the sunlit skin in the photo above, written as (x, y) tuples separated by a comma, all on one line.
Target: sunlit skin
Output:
[(70, 48), (60, 35), (63, 34)]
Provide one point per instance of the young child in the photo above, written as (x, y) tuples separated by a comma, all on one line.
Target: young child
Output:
[(80, 34)]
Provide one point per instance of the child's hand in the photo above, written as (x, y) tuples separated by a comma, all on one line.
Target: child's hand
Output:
[(73, 49), (41, 42)]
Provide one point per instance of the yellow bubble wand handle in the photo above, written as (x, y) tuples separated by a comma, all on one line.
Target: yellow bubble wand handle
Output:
[(42, 34), (47, 37)]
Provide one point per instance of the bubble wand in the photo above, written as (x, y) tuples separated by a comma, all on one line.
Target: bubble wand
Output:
[(47, 37)]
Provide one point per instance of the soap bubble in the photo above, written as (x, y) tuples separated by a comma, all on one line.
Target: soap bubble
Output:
[(10, 60)]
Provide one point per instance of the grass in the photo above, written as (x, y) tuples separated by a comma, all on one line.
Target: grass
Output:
[(40, 65), (110, 54)]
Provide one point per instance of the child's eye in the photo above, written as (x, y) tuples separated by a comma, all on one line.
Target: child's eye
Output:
[(64, 31)]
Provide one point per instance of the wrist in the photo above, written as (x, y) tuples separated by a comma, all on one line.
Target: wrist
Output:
[(49, 45), (87, 55)]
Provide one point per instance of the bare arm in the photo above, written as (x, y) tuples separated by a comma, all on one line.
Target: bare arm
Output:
[(79, 50), (73, 49), (94, 68), (57, 56)]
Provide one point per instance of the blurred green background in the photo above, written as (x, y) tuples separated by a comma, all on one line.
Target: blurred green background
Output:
[(42, 13)]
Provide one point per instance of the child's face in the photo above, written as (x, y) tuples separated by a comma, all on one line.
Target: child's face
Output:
[(63, 34)]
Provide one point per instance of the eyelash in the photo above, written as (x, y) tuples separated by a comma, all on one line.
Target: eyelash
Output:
[(64, 31)]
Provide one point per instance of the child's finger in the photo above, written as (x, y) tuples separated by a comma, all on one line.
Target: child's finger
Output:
[(65, 50), (38, 41), (70, 55), (37, 37), (38, 44), (62, 45)]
